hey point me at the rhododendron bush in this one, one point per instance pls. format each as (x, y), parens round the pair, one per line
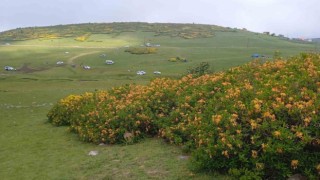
(259, 120)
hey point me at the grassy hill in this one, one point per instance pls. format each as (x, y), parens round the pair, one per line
(33, 149)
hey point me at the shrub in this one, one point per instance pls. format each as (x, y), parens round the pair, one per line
(144, 50)
(259, 120)
(177, 59)
(200, 70)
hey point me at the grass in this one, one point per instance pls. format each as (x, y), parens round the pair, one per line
(33, 149)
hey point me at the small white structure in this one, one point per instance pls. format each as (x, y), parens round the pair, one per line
(93, 153)
(141, 73)
(86, 67)
(156, 72)
(9, 68)
(60, 62)
(109, 62)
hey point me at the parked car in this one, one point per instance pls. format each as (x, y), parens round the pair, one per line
(109, 62)
(86, 67)
(9, 68)
(59, 62)
(141, 73)
(156, 72)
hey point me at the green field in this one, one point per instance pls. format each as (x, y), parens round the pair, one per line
(31, 148)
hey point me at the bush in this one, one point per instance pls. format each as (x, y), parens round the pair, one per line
(145, 50)
(259, 120)
(177, 59)
(200, 70)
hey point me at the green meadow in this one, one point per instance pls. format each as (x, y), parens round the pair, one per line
(31, 148)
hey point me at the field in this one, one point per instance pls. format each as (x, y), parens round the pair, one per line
(31, 148)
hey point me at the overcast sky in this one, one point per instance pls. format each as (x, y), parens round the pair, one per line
(292, 18)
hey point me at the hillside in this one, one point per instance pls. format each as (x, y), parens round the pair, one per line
(50, 63)
(187, 31)
(316, 40)
(219, 46)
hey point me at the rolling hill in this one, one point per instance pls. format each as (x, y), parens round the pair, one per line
(32, 149)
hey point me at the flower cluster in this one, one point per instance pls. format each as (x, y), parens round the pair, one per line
(259, 119)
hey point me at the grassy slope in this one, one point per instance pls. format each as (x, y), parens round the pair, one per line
(32, 149)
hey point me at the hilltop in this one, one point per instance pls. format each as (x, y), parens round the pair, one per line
(83, 31)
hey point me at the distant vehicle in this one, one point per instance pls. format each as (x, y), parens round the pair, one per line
(141, 73)
(9, 68)
(60, 62)
(156, 72)
(86, 67)
(255, 55)
(109, 62)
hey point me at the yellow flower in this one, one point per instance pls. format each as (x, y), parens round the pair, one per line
(279, 150)
(216, 118)
(260, 166)
(254, 153)
(225, 153)
(299, 134)
(294, 164)
(307, 121)
(253, 124)
(277, 133)
(318, 168)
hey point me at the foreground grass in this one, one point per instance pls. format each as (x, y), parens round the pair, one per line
(33, 149)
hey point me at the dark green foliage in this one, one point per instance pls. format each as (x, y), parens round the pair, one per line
(200, 70)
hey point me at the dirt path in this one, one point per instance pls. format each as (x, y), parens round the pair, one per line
(70, 60)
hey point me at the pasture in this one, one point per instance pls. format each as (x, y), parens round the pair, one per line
(31, 148)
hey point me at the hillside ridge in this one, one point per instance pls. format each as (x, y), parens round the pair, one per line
(83, 31)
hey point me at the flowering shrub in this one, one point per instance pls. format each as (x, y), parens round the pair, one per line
(259, 120)
(142, 50)
(83, 37)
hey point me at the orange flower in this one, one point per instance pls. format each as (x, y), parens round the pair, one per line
(289, 106)
(216, 118)
(225, 153)
(299, 134)
(307, 121)
(294, 164)
(253, 124)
